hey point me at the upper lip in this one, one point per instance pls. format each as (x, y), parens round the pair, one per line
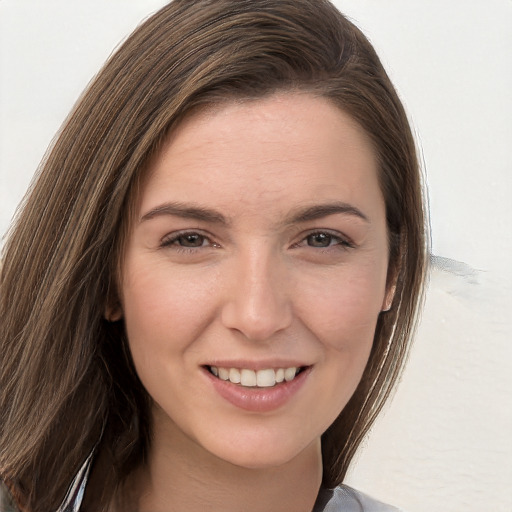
(257, 365)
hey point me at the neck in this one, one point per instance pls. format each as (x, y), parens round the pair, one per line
(180, 475)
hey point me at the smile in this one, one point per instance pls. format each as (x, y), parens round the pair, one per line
(255, 378)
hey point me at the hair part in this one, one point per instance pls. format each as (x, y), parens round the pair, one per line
(66, 371)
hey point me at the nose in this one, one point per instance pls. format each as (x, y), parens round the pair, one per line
(257, 303)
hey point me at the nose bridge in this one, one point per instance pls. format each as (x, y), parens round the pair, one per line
(258, 303)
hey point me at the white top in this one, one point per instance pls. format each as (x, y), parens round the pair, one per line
(346, 499)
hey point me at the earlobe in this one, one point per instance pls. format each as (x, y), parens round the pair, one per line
(113, 312)
(388, 297)
(387, 302)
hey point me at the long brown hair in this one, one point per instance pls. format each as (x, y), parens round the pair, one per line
(66, 376)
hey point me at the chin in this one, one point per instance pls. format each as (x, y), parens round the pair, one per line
(265, 454)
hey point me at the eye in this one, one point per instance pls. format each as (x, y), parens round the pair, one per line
(320, 240)
(325, 240)
(191, 240)
(187, 240)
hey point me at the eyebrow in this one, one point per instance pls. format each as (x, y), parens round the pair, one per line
(310, 213)
(324, 210)
(185, 211)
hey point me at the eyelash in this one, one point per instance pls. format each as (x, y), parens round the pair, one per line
(173, 239)
(340, 242)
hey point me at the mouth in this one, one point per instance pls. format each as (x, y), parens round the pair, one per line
(265, 378)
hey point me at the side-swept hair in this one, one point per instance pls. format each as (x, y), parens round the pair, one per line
(66, 375)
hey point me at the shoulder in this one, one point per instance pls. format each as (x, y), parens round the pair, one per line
(347, 499)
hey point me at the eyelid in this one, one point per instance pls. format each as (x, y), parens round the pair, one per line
(170, 238)
(343, 240)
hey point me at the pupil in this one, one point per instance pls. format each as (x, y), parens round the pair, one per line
(191, 240)
(319, 240)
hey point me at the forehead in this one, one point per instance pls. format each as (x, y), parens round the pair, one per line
(261, 154)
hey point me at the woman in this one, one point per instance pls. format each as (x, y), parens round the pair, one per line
(222, 259)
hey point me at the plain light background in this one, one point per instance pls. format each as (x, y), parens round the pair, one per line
(445, 441)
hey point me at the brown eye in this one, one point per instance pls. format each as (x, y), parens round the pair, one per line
(191, 240)
(319, 240)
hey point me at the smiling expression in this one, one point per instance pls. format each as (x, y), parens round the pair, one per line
(253, 276)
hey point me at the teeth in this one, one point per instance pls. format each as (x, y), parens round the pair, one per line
(234, 375)
(265, 378)
(289, 374)
(250, 378)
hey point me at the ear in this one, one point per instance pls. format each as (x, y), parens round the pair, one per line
(389, 296)
(113, 311)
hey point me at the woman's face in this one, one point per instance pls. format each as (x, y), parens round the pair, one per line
(254, 275)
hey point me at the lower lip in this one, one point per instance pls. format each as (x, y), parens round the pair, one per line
(258, 399)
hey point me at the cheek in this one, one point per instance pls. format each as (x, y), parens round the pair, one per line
(164, 309)
(344, 325)
(343, 309)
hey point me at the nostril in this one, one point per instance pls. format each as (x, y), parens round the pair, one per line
(257, 317)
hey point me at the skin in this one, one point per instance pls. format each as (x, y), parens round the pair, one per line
(268, 285)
